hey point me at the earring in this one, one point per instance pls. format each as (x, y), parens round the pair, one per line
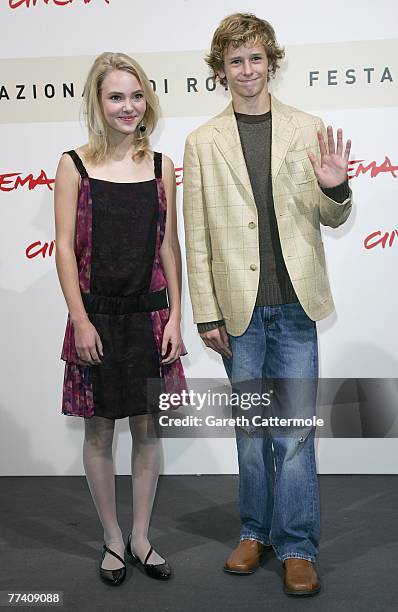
(141, 130)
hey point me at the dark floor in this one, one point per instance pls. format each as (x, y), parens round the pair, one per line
(51, 540)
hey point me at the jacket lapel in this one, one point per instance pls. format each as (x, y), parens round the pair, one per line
(227, 140)
(282, 135)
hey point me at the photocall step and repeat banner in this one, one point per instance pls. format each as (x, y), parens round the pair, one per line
(342, 67)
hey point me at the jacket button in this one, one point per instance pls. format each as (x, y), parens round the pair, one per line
(252, 225)
(253, 267)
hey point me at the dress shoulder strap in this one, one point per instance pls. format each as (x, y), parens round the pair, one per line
(157, 161)
(78, 163)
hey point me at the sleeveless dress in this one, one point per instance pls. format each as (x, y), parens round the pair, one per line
(119, 232)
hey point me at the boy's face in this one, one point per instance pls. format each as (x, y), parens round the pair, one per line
(246, 70)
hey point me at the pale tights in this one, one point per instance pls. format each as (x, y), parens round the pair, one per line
(145, 464)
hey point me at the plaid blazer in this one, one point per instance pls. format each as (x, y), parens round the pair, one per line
(221, 225)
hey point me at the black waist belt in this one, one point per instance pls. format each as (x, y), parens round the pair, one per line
(142, 302)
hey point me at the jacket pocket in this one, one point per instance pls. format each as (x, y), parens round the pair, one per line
(221, 287)
(299, 167)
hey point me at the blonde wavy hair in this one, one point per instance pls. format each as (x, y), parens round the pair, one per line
(243, 29)
(98, 141)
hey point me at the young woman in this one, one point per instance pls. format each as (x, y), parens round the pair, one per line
(117, 253)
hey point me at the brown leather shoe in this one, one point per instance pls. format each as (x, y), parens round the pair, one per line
(300, 577)
(246, 557)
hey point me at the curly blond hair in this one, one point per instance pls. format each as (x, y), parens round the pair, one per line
(243, 29)
(98, 142)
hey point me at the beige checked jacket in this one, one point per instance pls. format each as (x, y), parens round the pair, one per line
(221, 225)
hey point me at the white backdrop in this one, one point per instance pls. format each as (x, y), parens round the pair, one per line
(356, 42)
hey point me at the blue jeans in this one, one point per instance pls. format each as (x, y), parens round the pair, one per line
(278, 486)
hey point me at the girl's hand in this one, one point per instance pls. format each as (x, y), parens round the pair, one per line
(88, 343)
(172, 340)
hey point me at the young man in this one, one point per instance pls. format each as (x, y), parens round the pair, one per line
(258, 180)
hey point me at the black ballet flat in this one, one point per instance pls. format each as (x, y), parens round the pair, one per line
(112, 577)
(162, 571)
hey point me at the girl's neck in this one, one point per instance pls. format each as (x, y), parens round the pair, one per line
(120, 148)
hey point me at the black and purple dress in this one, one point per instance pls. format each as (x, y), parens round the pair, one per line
(119, 232)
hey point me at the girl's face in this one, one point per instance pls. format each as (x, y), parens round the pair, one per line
(122, 100)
